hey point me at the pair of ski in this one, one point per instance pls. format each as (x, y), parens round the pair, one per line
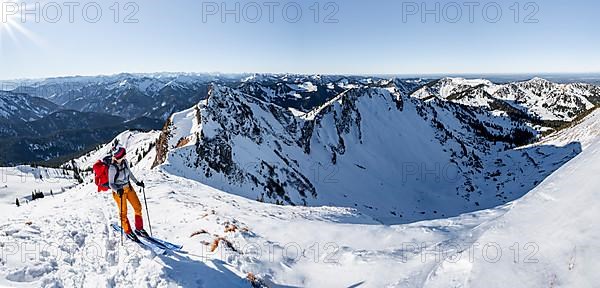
(158, 246)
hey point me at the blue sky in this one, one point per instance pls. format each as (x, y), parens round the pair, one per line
(370, 37)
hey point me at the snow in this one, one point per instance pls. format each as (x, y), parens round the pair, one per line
(296, 112)
(411, 172)
(449, 88)
(554, 227)
(183, 125)
(20, 181)
(537, 97)
(70, 243)
(586, 132)
(132, 141)
(446, 87)
(304, 87)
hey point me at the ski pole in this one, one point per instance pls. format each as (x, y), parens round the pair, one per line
(121, 218)
(147, 213)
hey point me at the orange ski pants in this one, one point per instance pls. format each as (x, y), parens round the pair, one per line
(130, 196)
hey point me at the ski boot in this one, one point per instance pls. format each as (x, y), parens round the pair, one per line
(142, 233)
(133, 237)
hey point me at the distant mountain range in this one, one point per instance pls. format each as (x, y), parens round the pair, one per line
(42, 120)
(537, 98)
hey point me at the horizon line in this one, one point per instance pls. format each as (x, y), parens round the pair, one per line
(410, 75)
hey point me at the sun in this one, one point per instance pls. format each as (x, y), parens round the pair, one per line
(10, 26)
(8, 23)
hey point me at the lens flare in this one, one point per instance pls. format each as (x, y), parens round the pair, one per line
(11, 27)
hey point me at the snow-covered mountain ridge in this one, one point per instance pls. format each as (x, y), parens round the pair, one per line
(158, 95)
(416, 159)
(538, 98)
(16, 107)
(161, 94)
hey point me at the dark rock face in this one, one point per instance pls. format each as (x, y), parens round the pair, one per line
(162, 144)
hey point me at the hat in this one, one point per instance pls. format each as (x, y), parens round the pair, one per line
(120, 153)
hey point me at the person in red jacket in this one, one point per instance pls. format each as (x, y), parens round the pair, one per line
(120, 177)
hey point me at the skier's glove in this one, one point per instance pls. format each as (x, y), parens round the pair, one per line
(141, 184)
(120, 192)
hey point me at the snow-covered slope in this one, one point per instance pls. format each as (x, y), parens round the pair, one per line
(139, 146)
(550, 101)
(585, 131)
(66, 242)
(549, 238)
(447, 87)
(18, 184)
